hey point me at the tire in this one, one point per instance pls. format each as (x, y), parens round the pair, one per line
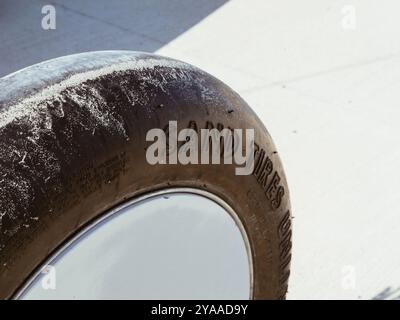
(73, 145)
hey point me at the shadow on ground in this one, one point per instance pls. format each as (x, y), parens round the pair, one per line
(389, 293)
(87, 25)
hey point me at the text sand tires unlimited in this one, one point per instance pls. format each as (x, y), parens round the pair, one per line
(73, 146)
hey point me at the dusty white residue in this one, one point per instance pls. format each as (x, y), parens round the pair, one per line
(2, 214)
(31, 139)
(23, 158)
(95, 103)
(38, 116)
(30, 104)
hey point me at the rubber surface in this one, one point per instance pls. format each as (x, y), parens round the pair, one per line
(73, 145)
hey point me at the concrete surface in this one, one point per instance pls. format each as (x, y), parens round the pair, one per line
(328, 92)
(89, 25)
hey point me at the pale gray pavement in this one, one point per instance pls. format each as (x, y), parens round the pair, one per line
(328, 95)
(89, 25)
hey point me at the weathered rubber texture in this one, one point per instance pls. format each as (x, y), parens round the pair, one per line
(72, 146)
